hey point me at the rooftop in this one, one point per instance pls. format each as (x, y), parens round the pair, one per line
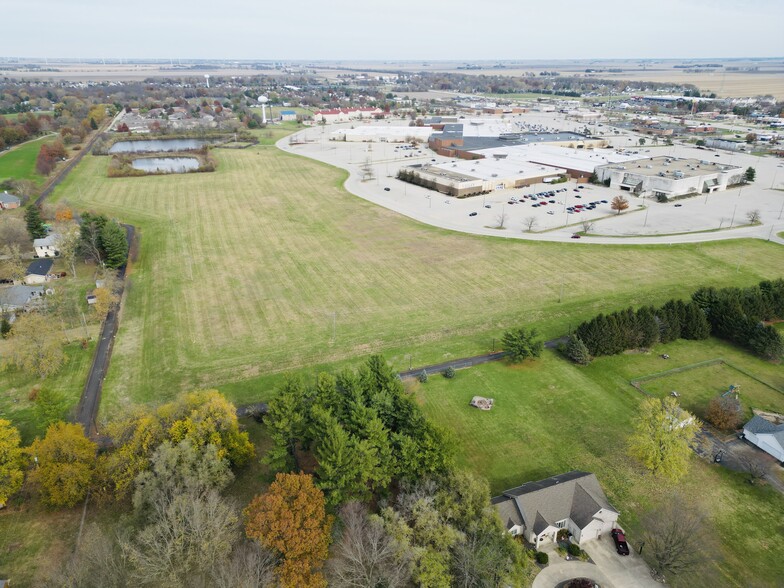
(684, 168)
(19, 295)
(40, 267)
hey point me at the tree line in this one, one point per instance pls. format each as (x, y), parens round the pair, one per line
(380, 504)
(734, 314)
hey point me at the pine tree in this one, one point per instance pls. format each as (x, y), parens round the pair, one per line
(696, 326)
(577, 351)
(338, 470)
(669, 322)
(647, 327)
(35, 225)
(115, 245)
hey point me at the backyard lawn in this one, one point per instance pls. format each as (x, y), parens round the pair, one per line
(267, 265)
(551, 417)
(19, 162)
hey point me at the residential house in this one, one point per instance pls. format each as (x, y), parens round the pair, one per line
(15, 298)
(766, 435)
(288, 115)
(9, 201)
(38, 271)
(48, 246)
(573, 501)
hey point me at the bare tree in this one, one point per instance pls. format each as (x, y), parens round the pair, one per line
(529, 223)
(756, 468)
(587, 225)
(188, 537)
(674, 535)
(249, 566)
(754, 217)
(68, 240)
(501, 219)
(365, 554)
(97, 563)
(14, 266)
(13, 231)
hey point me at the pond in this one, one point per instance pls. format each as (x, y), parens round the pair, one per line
(155, 145)
(169, 165)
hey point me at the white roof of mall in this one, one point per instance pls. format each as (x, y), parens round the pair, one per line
(500, 169)
(562, 157)
(375, 132)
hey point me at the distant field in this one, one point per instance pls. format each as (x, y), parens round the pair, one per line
(697, 386)
(16, 115)
(551, 417)
(19, 162)
(268, 265)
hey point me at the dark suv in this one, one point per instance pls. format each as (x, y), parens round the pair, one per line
(620, 542)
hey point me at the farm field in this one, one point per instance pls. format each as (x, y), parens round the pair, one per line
(268, 265)
(19, 162)
(551, 417)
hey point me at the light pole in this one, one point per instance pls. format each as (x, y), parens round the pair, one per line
(733, 215)
(647, 210)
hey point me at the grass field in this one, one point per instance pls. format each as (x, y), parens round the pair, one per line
(550, 417)
(19, 162)
(268, 265)
(697, 386)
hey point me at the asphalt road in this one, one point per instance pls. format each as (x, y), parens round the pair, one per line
(87, 410)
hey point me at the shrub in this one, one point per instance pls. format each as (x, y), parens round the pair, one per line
(449, 372)
(574, 550)
(542, 558)
(423, 376)
(662, 198)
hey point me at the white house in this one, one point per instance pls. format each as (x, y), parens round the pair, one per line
(573, 501)
(766, 435)
(288, 115)
(47, 247)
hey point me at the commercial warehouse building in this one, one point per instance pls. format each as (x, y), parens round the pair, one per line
(670, 177)
(468, 178)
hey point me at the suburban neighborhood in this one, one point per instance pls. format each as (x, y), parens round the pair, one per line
(350, 305)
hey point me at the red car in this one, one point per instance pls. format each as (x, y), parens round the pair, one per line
(620, 542)
(575, 236)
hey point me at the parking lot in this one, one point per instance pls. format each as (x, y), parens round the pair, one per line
(555, 212)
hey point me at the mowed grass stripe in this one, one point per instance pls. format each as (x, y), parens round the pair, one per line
(241, 271)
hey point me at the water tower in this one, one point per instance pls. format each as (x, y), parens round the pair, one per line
(207, 77)
(263, 100)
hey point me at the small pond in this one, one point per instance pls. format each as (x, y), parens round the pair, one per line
(155, 145)
(169, 165)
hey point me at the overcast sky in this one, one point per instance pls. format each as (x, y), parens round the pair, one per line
(393, 29)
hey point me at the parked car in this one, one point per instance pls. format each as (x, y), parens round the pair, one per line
(473, 214)
(386, 189)
(575, 236)
(620, 542)
(488, 206)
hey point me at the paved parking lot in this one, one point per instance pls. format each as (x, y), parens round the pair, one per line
(699, 218)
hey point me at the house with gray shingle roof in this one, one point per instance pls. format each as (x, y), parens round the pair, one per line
(9, 201)
(766, 435)
(573, 501)
(20, 297)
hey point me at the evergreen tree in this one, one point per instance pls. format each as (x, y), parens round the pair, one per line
(115, 245)
(339, 469)
(766, 342)
(286, 422)
(696, 326)
(577, 351)
(669, 322)
(35, 225)
(520, 344)
(647, 327)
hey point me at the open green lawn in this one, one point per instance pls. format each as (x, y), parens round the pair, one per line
(243, 271)
(697, 386)
(15, 387)
(19, 162)
(551, 417)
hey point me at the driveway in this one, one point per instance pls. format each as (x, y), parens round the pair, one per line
(610, 570)
(629, 571)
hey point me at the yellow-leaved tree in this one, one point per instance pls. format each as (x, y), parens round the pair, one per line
(203, 418)
(64, 464)
(11, 461)
(661, 438)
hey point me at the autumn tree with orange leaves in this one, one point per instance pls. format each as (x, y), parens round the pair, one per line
(291, 519)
